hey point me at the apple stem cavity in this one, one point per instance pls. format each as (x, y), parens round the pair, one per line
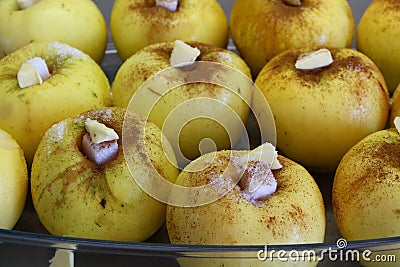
(292, 2)
(257, 181)
(33, 72)
(183, 54)
(99, 143)
(171, 5)
(24, 4)
(314, 60)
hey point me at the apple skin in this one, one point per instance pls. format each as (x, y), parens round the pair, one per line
(75, 197)
(154, 58)
(377, 35)
(294, 214)
(395, 107)
(13, 181)
(366, 190)
(78, 23)
(322, 113)
(262, 29)
(77, 84)
(136, 24)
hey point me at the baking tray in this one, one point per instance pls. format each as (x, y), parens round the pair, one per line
(30, 244)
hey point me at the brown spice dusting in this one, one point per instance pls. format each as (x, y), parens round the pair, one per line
(298, 215)
(388, 6)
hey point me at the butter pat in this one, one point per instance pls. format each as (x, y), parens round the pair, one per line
(265, 153)
(24, 4)
(171, 5)
(33, 72)
(314, 60)
(397, 123)
(99, 132)
(183, 54)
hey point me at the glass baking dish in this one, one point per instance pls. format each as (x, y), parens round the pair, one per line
(30, 244)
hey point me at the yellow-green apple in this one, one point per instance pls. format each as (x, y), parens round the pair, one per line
(13, 181)
(82, 185)
(135, 24)
(43, 83)
(376, 36)
(78, 23)
(268, 199)
(324, 102)
(366, 190)
(262, 29)
(209, 98)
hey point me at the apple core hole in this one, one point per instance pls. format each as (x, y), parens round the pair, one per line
(99, 154)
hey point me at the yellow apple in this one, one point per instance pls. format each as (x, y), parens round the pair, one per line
(76, 196)
(294, 213)
(76, 84)
(78, 23)
(209, 99)
(13, 181)
(377, 35)
(366, 190)
(138, 23)
(262, 29)
(321, 113)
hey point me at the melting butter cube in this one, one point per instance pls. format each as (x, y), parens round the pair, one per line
(265, 153)
(183, 54)
(314, 60)
(99, 132)
(33, 72)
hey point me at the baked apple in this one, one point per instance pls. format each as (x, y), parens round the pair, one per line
(78, 23)
(13, 181)
(324, 101)
(262, 29)
(82, 186)
(377, 35)
(136, 24)
(43, 83)
(265, 199)
(192, 91)
(366, 190)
